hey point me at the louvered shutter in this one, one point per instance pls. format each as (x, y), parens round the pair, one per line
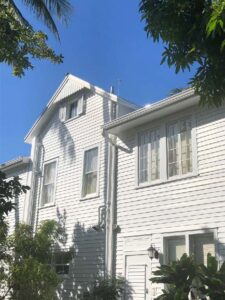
(62, 113)
(80, 105)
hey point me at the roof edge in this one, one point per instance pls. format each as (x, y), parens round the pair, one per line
(13, 163)
(86, 84)
(153, 107)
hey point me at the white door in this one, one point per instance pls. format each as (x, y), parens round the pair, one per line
(137, 276)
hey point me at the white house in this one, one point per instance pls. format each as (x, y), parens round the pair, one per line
(69, 159)
(170, 192)
(121, 179)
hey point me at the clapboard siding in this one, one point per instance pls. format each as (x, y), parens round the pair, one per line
(66, 142)
(188, 204)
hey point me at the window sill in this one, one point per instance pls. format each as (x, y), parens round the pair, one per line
(89, 197)
(47, 205)
(173, 179)
(71, 119)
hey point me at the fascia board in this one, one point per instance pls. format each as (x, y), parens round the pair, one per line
(160, 107)
(17, 162)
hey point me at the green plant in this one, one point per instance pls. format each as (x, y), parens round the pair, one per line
(9, 191)
(185, 275)
(20, 42)
(108, 289)
(213, 279)
(193, 33)
(178, 278)
(30, 275)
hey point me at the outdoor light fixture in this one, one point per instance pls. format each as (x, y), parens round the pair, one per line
(153, 252)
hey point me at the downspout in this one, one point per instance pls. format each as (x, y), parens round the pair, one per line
(110, 204)
(28, 208)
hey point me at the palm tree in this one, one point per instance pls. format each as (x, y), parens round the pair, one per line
(44, 10)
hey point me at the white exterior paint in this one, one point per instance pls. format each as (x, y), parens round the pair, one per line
(136, 216)
(181, 206)
(54, 137)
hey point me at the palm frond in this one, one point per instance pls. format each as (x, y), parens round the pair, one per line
(45, 9)
(61, 8)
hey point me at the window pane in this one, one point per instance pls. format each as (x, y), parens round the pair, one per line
(49, 173)
(155, 154)
(186, 147)
(175, 248)
(72, 110)
(91, 160)
(201, 245)
(143, 157)
(48, 183)
(172, 148)
(90, 183)
(90, 171)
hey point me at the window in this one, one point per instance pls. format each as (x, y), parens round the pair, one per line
(199, 246)
(48, 188)
(90, 173)
(179, 148)
(149, 159)
(72, 110)
(175, 248)
(61, 262)
(166, 152)
(74, 107)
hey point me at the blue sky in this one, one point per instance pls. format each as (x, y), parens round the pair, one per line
(105, 41)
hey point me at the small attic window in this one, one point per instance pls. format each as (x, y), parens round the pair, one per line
(72, 110)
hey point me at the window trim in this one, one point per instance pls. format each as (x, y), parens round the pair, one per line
(41, 206)
(96, 194)
(164, 178)
(187, 235)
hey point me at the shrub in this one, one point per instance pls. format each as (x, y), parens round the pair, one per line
(185, 275)
(30, 275)
(108, 289)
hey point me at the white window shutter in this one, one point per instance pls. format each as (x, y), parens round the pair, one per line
(80, 105)
(62, 113)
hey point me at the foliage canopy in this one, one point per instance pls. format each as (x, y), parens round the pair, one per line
(9, 190)
(19, 42)
(194, 34)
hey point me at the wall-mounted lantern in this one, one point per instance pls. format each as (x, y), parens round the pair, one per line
(153, 252)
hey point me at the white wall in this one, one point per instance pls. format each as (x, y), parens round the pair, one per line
(66, 142)
(146, 214)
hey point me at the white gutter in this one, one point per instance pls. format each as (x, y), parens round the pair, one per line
(29, 204)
